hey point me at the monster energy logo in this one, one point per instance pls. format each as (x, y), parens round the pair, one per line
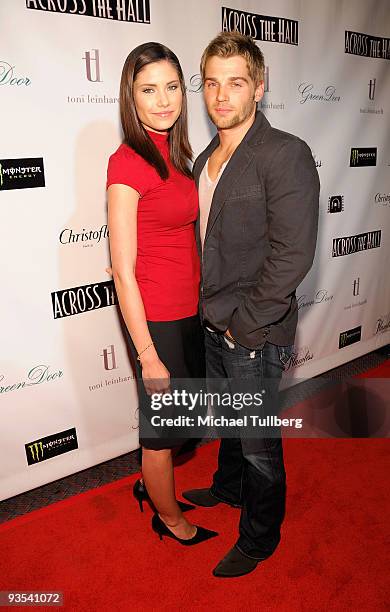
(22, 173)
(354, 157)
(363, 157)
(350, 336)
(36, 451)
(51, 446)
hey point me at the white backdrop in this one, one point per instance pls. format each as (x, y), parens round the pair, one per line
(60, 66)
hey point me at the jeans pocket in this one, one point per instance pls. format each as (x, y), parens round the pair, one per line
(285, 353)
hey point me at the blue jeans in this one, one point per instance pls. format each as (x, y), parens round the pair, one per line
(251, 469)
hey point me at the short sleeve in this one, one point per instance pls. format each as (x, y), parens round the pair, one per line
(127, 168)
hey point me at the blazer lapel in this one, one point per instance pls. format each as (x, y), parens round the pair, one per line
(231, 176)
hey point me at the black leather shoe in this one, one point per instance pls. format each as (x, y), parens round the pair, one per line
(204, 497)
(234, 564)
(201, 534)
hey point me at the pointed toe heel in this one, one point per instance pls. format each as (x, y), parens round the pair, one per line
(201, 534)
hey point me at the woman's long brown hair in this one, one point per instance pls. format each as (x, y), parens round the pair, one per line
(135, 135)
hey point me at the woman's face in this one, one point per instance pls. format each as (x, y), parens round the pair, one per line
(158, 96)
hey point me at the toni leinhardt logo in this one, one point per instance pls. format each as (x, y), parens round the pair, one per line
(327, 94)
(24, 173)
(92, 66)
(383, 324)
(51, 446)
(336, 204)
(109, 363)
(355, 286)
(299, 357)
(93, 74)
(382, 198)
(346, 245)
(322, 296)
(109, 360)
(133, 11)
(77, 300)
(357, 43)
(85, 238)
(371, 89)
(260, 27)
(9, 76)
(363, 157)
(351, 336)
(371, 110)
(266, 103)
(36, 376)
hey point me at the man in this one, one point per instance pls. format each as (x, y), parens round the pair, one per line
(257, 229)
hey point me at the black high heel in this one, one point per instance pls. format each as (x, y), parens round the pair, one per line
(140, 493)
(201, 534)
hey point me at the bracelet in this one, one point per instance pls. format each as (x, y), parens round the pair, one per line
(143, 350)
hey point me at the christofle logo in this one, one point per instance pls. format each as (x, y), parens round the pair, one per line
(371, 89)
(86, 238)
(307, 94)
(336, 204)
(9, 77)
(109, 359)
(51, 446)
(92, 64)
(77, 300)
(363, 157)
(133, 11)
(351, 336)
(260, 27)
(24, 173)
(347, 245)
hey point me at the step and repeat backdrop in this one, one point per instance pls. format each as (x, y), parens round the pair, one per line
(67, 392)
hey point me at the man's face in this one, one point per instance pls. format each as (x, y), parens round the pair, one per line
(229, 92)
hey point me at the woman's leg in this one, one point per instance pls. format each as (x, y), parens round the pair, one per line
(157, 473)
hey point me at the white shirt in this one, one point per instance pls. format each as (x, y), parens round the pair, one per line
(206, 192)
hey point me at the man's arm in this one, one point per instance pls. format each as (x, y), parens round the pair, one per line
(292, 193)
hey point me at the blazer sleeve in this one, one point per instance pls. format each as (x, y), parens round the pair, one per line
(292, 199)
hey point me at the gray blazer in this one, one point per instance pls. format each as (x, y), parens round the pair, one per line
(260, 237)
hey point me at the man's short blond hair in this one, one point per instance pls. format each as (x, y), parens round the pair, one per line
(228, 44)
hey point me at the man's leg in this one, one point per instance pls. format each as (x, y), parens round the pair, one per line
(264, 481)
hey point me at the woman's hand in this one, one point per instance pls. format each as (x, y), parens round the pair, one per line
(155, 375)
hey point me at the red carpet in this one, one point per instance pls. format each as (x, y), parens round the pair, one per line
(100, 551)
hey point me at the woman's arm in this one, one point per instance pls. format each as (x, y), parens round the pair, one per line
(122, 223)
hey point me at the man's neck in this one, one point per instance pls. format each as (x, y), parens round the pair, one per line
(230, 138)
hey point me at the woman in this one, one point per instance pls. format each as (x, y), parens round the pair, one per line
(152, 207)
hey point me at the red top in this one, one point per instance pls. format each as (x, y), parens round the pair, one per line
(167, 268)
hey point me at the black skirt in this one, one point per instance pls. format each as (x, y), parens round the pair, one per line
(180, 347)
